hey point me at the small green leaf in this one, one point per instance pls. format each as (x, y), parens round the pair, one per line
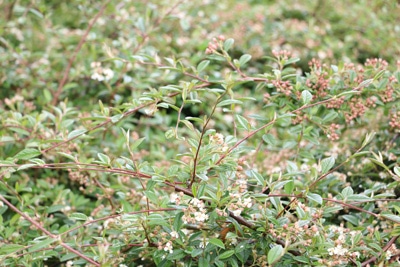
(103, 158)
(10, 248)
(226, 254)
(228, 44)
(352, 219)
(202, 65)
(306, 96)
(330, 116)
(78, 216)
(42, 244)
(327, 164)
(358, 198)
(229, 102)
(269, 139)
(116, 118)
(275, 254)
(391, 217)
(244, 59)
(26, 166)
(137, 143)
(27, 153)
(396, 170)
(347, 191)
(259, 178)
(217, 242)
(38, 161)
(76, 133)
(67, 156)
(289, 187)
(243, 122)
(315, 197)
(170, 133)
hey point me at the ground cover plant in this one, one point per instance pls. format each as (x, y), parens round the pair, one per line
(147, 133)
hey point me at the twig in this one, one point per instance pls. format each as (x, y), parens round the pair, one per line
(49, 234)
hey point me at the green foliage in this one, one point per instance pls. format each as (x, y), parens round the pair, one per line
(199, 134)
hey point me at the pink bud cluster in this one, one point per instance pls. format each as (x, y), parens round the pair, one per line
(214, 44)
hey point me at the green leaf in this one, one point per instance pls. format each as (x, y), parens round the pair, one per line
(202, 65)
(27, 153)
(78, 216)
(10, 248)
(348, 191)
(358, 198)
(315, 197)
(330, 116)
(327, 164)
(396, 170)
(67, 156)
(244, 59)
(306, 96)
(38, 161)
(275, 254)
(259, 178)
(137, 143)
(170, 133)
(269, 139)
(42, 244)
(352, 219)
(226, 254)
(291, 61)
(228, 44)
(289, 187)
(229, 102)
(391, 217)
(217, 242)
(76, 133)
(68, 256)
(26, 166)
(243, 122)
(104, 158)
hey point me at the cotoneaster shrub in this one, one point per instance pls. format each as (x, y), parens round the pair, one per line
(205, 160)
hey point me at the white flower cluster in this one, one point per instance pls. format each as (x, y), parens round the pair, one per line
(237, 207)
(338, 250)
(101, 74)
(168, 247)
(174, 234)
(219, 140)
(176, 198)
(195, 212)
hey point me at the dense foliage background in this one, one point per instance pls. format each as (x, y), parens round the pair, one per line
(199, 133)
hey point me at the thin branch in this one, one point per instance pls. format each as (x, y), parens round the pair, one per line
(201, 139)
(49, 234)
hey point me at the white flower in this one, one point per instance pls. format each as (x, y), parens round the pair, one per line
(108, 74)
(97, 76)
(339, 250)
(237, 212)
(200, 216)
(247, 202)
(69, 263)
(95, 64)
(203, 244)
(168, 247)
(174, 234)
(173, 197)
(123, 265)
